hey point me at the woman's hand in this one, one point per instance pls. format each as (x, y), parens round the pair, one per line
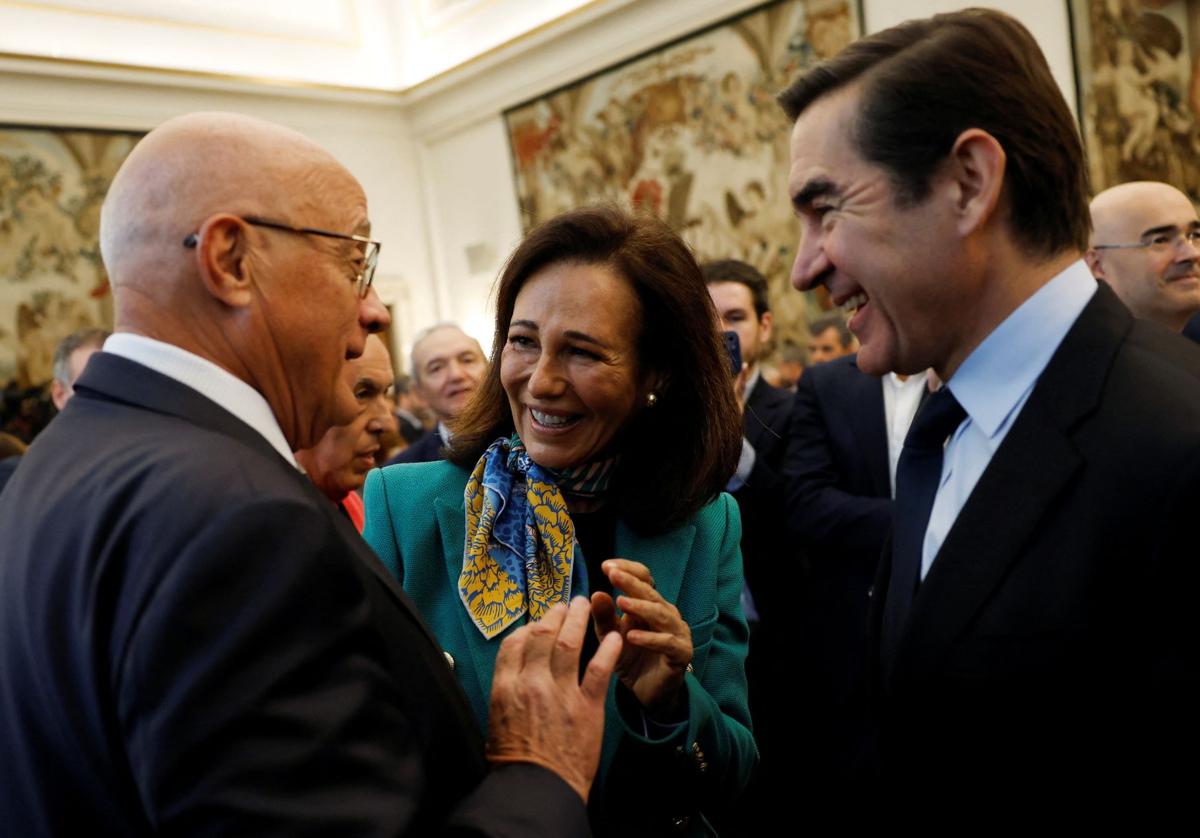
(658, 643)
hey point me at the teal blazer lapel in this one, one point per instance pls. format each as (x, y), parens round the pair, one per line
(665, 555)
(453, 526)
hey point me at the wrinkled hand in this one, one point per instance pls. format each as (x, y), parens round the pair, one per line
(540, 710)
(658, 642)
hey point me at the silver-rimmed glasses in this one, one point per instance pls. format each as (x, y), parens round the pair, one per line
(362, 280)
(1160, 241)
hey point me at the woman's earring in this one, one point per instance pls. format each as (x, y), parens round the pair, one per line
(651, 400)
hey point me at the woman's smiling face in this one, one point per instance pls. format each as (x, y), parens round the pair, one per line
(570, 366)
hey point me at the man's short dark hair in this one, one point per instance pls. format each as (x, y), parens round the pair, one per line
(831, 321)
(731, 270)
(924, 82)
(75, 340)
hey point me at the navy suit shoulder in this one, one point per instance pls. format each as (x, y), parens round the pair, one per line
(194, 641)
(838, 489)
(425, 450)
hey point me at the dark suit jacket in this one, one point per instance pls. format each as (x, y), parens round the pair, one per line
(840, 512)
(1054, 641)
(194, 641)
(425, 450)
(839, 495)
(8, 467)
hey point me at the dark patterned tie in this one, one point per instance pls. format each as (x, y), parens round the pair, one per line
(917, 477)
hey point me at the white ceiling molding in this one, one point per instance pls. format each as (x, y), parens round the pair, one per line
(353, 45)
(598, 36)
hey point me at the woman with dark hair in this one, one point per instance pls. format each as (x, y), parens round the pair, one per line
(591, 461)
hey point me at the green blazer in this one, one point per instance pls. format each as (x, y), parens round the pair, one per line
(416, 523)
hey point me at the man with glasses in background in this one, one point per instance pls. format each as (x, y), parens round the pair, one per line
(193, 640)
(1146, 244)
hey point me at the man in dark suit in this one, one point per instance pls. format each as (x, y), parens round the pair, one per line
(839, 508)
(193, 640)
(447, 366)
(1034, 615)
(739, 293)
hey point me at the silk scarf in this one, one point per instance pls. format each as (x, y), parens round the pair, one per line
(521, 555)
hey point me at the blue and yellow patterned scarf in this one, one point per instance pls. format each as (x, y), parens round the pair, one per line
(521, 554)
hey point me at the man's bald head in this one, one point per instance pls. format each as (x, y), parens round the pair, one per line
(190, 265)
(198, 165)
(1142, 245)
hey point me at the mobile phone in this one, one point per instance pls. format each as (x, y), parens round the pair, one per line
(734, 347)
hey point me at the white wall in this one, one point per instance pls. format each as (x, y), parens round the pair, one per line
(367, 133)
(460, 131)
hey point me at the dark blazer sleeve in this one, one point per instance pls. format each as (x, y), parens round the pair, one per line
(820, 511)
(287, 718)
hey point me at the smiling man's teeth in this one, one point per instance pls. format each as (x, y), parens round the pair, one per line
(551, 421)
(854, 303)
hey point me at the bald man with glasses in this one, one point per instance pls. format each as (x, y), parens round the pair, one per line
(193, 640)
(1146, 244)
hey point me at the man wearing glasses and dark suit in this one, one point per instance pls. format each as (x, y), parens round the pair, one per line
(1146, 245)
(193, 640)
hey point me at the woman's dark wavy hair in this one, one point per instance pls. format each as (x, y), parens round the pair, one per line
(678, 455)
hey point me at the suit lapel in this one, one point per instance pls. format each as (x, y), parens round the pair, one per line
(1034, 464)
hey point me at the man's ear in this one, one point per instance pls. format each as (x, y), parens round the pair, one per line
(977, 164)
(765, 323)
(1095, 265)
(58, 393)
(221, 259)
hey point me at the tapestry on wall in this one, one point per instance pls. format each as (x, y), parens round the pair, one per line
(1138, 69)
(692, 133)
(52, 282)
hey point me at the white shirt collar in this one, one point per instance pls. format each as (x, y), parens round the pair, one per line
(207, 379)
(995, 378)
(751, 382)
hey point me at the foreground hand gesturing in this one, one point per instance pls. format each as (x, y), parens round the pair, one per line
(658, 642)
(540, 710)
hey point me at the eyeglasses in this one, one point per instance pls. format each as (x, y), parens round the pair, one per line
(362, 280)
(1159, 242)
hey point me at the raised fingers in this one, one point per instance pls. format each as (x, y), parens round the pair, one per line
(594, 685)
(656, 614)
(635, 569)
(604, 613)
(673, 647)
(564, 661)
(542, 636)
(633, 586)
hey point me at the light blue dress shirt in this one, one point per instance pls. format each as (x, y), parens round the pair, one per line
(993, 384)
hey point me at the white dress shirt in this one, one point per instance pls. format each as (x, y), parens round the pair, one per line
(748, 457)
(993, 384)
(900, 402)
(207, 379)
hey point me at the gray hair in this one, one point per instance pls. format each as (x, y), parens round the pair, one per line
(76, 340)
